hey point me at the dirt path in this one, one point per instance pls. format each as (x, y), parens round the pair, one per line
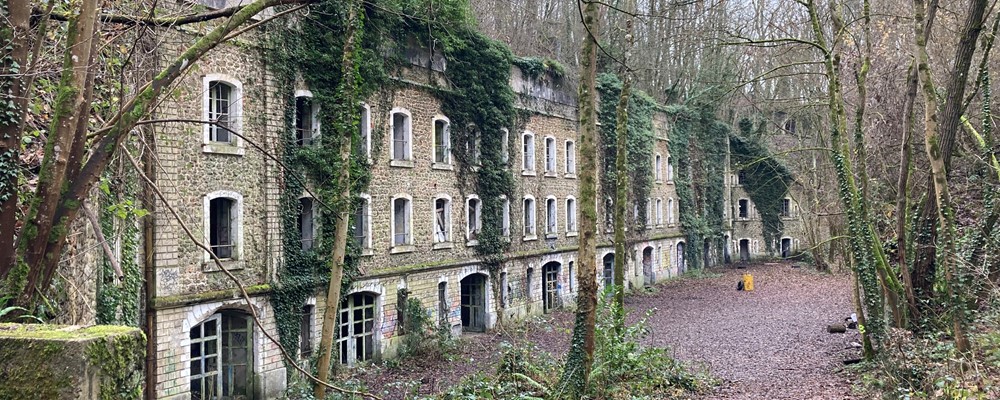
(767, 344)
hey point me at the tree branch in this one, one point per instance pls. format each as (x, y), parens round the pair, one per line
(155, 21)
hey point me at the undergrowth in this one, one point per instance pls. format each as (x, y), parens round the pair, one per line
(929, 367)
(623, 369)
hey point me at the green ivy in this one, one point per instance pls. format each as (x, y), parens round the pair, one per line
(765, 179)
(698, 152)
(640, 142)
(118, 301)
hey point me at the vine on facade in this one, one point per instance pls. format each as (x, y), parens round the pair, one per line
(765, 179)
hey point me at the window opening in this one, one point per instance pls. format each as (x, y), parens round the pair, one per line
(221, 227)
(220, 99)
(355, 334)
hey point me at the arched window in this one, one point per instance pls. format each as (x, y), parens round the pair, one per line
(401, 137)
(570, 215)
(529, 218)
(473, 218)
(306, 118)
(401, 223)
(307, 222)
(442, 219)
(442, 141)
(550, 155)
(528, 153)
(570, 158)
(222, 357)
(223, 224)
(356, 331)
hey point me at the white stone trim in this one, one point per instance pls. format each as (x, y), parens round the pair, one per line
(409, 135)
(448, 162)
(407, 246)
(235, 113)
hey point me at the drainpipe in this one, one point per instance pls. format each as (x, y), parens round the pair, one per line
(149, 267)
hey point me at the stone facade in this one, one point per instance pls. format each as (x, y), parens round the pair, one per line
(195, 301)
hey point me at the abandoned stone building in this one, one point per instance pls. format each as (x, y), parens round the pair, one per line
(416, 228)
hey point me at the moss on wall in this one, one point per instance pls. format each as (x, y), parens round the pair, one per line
(68, 362)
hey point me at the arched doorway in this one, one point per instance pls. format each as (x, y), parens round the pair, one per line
(786, 247)
(681, 261)
(550, 286)
(707, 253)
(744, 250)
(222, 357)
(647, 266)
(356, 328)
(725, 250)
(609, 270)
(474, 303)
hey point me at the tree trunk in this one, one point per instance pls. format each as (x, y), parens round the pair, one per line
(344, 123)
(17, 34)
(581, 353)
(42, 239)
(621, 184)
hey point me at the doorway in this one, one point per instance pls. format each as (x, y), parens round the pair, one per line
(647, 266)
(744, 250)
(786, 247)
(550, 286)
(474, 303)
(609, 270)
(681, 261)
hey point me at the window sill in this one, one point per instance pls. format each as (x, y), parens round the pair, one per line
(472, 243)
(229, 263)
(442, 246)
(402, 248)
(401, 163)
(670, 181)
(569, 176)
(367, 252)
(572, 234)
(528, 238)
(671, 225)
(551, 235)
(442, 166)
(527, 173)
(222, 148)
(551, 174)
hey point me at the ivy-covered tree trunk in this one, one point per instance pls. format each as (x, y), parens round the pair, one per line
(13, 58)
(621, 184)
(580, 358)
(344, 123)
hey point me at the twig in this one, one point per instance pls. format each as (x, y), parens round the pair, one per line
(243, 291)
(264, 21)
(104, 242)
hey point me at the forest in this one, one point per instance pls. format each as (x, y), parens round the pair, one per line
(877, 115)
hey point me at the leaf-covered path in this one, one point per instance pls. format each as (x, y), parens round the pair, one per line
(771, 343)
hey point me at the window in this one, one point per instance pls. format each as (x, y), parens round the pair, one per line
(569, 278)
(442, 141)
(306, 330)
(786, 207)
(741, 177)
(658, 168)
(670, 169)
(307, 222)
(222, 229)
(222, 357)
(551, 227)
(506, 217)
(570, 215)
(528, 153)
(649, 212)
(744, 208)
(503, 289)
(790, 125)
(221, 108)
(364, 146)
(609, 214)
(400, 149)
(442, 220)
(529, 218)
(550, 155)
(570, 158)
(670, 211)
(527, 284)
(472, 145)
(401, 214)
(355, 333)
(473, 220)
(306, 118)
(443, 307)
(659, 211)
(505, 147)
(361, 223)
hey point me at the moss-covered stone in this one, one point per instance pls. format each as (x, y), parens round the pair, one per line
(71, 362)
